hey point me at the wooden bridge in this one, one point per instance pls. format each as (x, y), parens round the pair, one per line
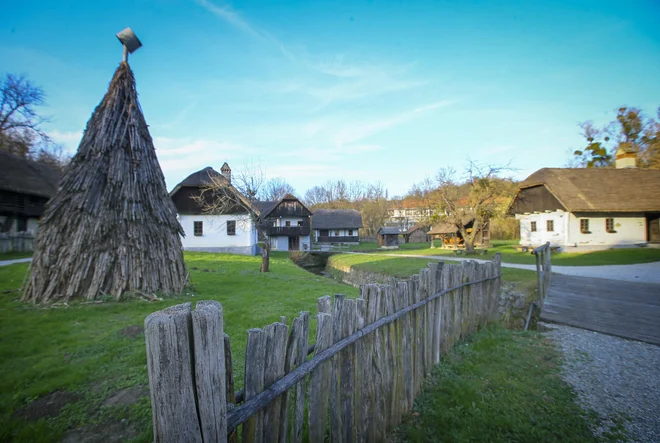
(625, 309)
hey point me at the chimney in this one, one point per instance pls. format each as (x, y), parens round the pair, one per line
(626, 157)
(226, 172)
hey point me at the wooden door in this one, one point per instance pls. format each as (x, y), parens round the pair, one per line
(294, 243)
(653, 224)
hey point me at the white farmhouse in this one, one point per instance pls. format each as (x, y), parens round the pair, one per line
(232, 231)
(589, 208)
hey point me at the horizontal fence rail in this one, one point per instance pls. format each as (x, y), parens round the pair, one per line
(370, 358)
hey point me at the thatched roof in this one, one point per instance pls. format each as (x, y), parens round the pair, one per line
(201, 178)
(25, 176)
(600, 189)
(388, 230)
(336, 219)
(449, 228)
(111, 228)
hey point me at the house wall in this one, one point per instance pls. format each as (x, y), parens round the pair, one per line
(282, 221)
(281, 243)
(215, 238)
(32, 224)
(630, 229)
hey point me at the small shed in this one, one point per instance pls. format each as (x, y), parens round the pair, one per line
(388, 236)
(417, 234)
(451, 237)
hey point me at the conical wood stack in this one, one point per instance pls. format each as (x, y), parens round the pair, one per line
(112, 227)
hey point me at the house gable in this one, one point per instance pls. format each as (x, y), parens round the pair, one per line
(535, 199)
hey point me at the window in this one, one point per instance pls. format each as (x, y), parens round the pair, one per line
(350, 232)
(300, 223)
(584, 225)
(609, 225)
(231, 227)
(336, 233)
(550, 225)
(198, 228)
(288, 223)
(533, 226)
(21, 224)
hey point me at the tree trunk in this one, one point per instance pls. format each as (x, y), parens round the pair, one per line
(265, 257)
(469, 246)
(432, 242)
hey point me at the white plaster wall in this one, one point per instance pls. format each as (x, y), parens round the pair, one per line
(541, 236)
(281, 243)
(215, 231)
(629, 231)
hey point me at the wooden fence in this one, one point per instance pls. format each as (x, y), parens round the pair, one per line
(543, 272)
(16, 242)
(369, 360)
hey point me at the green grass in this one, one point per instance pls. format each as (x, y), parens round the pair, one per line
(14, 255)
(499, 386)
(404, 267)
(79, 349)
(618, 256)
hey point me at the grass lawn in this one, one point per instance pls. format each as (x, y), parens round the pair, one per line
(619, 256)
(403, 267)
(499, 386)
(89, 352)
(14, 255)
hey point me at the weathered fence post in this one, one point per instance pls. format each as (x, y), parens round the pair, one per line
(187, 380)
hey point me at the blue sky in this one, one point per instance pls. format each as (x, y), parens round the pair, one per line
(361, 90)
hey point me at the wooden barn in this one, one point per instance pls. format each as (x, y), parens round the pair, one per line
(25, 187)
(417, 234)
(388, 236)
(452, 238)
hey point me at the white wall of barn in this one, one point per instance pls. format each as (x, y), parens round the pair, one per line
(630, 230)
(214, 233)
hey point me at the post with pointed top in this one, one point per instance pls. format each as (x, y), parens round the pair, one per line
(130, 41)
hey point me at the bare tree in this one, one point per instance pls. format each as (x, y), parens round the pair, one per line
(276, 188)
(21, 133)
(238, 196)
(472, 201)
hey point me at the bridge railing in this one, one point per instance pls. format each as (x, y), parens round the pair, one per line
(543, 273)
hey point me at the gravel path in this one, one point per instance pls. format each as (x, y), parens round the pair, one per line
(615, 377)
(11, 262)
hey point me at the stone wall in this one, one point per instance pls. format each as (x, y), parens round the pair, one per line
(514, 306)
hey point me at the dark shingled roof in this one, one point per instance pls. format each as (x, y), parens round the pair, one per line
(600, 189)
(336, 219)
(27, 177)
(417, 226)
(387, 230)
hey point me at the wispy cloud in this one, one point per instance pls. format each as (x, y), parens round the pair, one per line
(228, 14)
(356, 132)
(70, 140)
